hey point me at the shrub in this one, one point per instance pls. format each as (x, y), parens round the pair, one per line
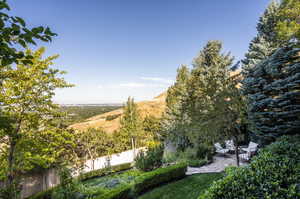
(85, 176)
(273, 173)
(122, 192)
(152, 159)
(196, 162)
(157, 177)
(102, 172)
(205, 151)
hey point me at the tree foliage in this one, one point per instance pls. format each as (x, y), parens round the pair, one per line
(15, 35)
(131, 123)
(288, 26)
(32, 135)
(175, 118)
(273, 92)
(265, 42)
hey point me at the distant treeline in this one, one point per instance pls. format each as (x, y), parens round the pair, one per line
(81, 113)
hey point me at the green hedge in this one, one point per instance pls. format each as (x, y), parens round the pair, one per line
(43, 195)
(85, 176)
(102, 172)
(146, 181)
(157, 177)
(273, 173)
(122, 192)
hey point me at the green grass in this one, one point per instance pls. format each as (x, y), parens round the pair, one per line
(188, 188)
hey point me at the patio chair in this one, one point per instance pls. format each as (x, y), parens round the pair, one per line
(220, 149)
(252, 148)
(250, 151)
(230, 145)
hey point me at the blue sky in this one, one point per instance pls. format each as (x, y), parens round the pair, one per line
(113, 49)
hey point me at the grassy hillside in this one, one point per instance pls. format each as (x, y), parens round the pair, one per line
(82, 112)
(110, 121)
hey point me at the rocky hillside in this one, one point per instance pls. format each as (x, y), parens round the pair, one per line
(110, 121)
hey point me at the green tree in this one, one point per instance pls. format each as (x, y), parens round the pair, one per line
(14, 34)
(93, 143)
(273, 95)
(131, 123)
(265, 41)
(210, 71)
(288, 26)
(33, 137)
(175, 120)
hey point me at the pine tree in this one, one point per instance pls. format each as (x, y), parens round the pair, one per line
(265, 41)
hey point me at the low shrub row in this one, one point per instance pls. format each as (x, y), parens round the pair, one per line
(85, 176)
(146, 181)
(273, 173)
(157, 177)
(105, 171)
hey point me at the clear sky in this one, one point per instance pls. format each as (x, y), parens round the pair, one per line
(113, 49)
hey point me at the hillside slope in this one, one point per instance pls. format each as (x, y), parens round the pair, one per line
(110, 121)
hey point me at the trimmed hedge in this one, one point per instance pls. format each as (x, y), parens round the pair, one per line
(102, 172)
(122, 192)
(85, 176)
(146, 181)
(157, 177)
(273, 173)
(43, 194)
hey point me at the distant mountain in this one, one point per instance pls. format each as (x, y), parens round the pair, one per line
(110, 121)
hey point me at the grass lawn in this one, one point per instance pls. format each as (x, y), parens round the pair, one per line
(188, 188)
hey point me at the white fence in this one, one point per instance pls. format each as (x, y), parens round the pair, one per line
(41, 182)
(112, 160)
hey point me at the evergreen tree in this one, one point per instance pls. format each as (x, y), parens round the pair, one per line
(175, 122)
(131, 123)
(273, 94)
(265, 41)
(210, 71)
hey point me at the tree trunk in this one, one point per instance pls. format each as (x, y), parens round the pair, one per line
(133, 143)
(11, 172)
(236, 147)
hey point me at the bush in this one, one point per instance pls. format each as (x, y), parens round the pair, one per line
(273, 173)
(205, 151)
(196, 163)
(102, 172)
(122, 192)
(157, 177)
(152, 159)
(85, 176)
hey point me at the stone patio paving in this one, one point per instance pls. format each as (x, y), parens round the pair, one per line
(218, 165)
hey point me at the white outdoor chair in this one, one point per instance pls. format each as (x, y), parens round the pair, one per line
(245, 156)
(220, 149)
(252, 148)
(230, 145)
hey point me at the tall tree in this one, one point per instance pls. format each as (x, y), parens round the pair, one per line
(273, 95)
(175, 120)
(266, 40)
(210, 70)
(33, 137)
(131, 122)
